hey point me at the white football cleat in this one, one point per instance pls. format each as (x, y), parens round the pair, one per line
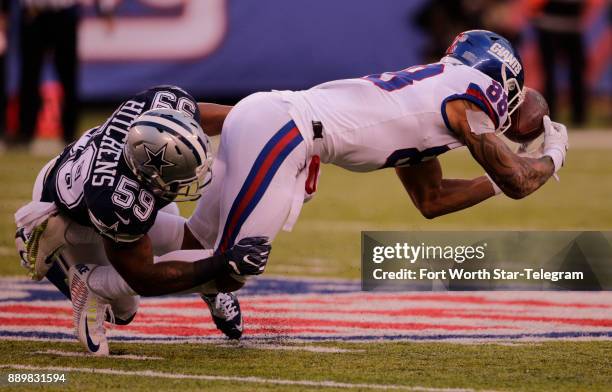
(88, 311)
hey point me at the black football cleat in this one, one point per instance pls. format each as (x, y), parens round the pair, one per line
(225, 311)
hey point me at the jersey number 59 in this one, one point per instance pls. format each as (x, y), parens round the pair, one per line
(125, 197)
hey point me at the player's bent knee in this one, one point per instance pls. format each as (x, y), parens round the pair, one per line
(167, 233)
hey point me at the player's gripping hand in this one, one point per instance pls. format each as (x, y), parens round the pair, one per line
(21, 240)
(249, 256)
(39, 248)
(555, 142)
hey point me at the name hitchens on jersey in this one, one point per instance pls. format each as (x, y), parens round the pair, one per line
(111, 146)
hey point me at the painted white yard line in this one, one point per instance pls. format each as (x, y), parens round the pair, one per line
(80, 354)
(255, 380)
(309, 348)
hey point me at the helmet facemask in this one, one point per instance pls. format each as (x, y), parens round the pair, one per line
(170, 154)
(515, 94)
(188, 189)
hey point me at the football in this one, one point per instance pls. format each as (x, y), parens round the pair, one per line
(527, 121)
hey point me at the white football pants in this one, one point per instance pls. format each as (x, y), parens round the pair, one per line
(258, 175)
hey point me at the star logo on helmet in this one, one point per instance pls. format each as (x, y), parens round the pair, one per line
(157, 160)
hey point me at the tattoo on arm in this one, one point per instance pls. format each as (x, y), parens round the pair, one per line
(516, 176)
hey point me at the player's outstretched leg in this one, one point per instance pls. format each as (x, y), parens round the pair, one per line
(88, 310)
(225, 311)
(259, 192)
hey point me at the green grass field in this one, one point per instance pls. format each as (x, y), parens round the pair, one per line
(348, 203)
(558, 366)
(326, 242)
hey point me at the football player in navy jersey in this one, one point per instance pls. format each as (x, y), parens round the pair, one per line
(105, 206)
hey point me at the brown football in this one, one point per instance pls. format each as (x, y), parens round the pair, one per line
(527, 119)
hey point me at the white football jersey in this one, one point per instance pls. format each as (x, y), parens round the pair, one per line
(394, 118)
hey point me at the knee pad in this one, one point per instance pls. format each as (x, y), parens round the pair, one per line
(167, 233)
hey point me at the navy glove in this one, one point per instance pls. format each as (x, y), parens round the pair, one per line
(249, 256)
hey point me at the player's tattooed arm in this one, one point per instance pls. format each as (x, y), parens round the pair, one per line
(212, 117)
(515, 175)
(435, 196)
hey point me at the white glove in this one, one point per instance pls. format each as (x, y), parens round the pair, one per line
(555, 142)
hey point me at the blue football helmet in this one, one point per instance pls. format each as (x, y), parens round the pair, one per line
(493, 55)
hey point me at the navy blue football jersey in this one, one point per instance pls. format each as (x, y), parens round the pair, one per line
(91, 182)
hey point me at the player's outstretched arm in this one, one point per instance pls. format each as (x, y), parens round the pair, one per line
(515, 175)
(212, 117)
(435, 196)
(134, 262)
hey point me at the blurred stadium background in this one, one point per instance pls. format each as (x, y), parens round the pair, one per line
(222, 50)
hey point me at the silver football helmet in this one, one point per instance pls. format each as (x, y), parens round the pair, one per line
(170, 153)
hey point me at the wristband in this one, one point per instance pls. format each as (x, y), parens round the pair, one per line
(557, 157)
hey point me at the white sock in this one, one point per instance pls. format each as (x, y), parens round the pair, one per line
(108, 284)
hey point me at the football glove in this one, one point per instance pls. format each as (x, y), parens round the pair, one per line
(21, 239)
(555, 142)
(249, 256)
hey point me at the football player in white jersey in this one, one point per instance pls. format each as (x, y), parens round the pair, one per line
(272, 142)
